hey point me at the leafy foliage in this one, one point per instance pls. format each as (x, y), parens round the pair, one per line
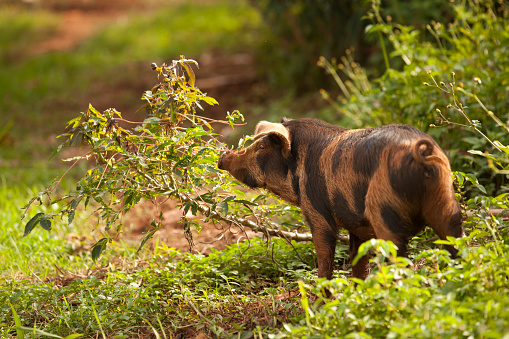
(240, 291)
(164, 291)
(445, 298)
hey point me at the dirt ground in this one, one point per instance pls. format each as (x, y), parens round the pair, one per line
(221, 76)
(217, 236)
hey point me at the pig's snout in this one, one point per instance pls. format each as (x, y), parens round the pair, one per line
(224, 160)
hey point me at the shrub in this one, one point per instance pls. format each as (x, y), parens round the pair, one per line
(444, 299)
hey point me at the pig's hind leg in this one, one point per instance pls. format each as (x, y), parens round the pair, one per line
(360, 269)
(390, 223)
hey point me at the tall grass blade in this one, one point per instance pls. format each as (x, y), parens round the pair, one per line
(17, 322)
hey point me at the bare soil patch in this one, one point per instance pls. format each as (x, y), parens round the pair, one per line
(211, 236)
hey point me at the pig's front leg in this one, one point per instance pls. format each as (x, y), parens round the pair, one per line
(324, 239)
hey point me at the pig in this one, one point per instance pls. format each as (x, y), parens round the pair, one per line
(384, 182)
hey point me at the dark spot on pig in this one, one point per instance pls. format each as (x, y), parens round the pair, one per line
(251, 181)
(247, 178)
(392, 219)
(348, 218)
(399, 227)
(316, 183)
(367, 152)
(406, 178)
(273, 162)
(360, 189)
(292, 168)
(296, 186)
(337, 158)
(351, 219)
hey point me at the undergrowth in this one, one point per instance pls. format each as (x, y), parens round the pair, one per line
(176, 289)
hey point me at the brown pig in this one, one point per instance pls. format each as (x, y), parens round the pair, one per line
(385, 182)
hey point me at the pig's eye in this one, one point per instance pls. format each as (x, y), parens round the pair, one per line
(261, 146)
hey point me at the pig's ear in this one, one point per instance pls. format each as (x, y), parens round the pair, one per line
(265, 128)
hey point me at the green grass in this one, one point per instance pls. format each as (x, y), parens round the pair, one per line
(20, 29)
(229, 295)
(163, 295)
(39, 254)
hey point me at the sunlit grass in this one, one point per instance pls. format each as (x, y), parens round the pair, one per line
(65, 250)
(37, 254)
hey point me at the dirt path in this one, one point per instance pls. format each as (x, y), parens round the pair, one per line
(81, 20)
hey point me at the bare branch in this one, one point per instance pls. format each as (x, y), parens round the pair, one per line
(271, 228)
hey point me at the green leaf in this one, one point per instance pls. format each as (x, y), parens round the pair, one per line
(46, 223)
(46, 334)
(247, 202)
(131, 198)
(504, 148)
(72, 211)
(149, 235)
(460, 176)
(56, 151)
(33, 223)
(98, 248)
(443, 242)
(363, 250)
(473, 179)
(17, 322)
(224, 207)
(482, 154)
